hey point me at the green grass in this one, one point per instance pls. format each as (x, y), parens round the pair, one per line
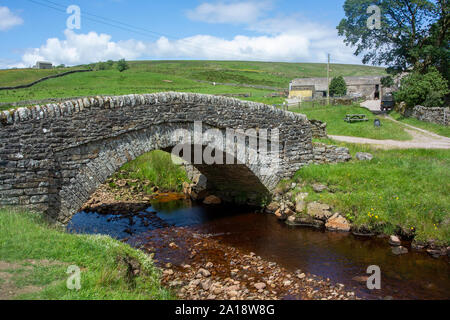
(275, 74)
(149, 76)
(16, 77)
(433, 127)
(25, 236)
(405, 188)
(334, 117)
(156, 167)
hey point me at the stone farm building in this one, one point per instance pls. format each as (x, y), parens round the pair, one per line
(367, 86)
(43, 65)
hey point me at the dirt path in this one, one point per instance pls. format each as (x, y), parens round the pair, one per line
(422, 139)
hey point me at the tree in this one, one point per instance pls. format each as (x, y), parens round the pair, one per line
(387, 81)
(428, 90)
(338, 87)
(122, 65)
(414, 34)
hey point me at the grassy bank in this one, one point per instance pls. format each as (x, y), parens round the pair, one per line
(34, 258)
(405, 188)
(432, 127)
(157, 168)
(334, 117)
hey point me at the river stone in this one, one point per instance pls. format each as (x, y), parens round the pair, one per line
(272, 207)
(317, 187)
(338, 223)
(203, 272)
(304, 220)
(364, 156)
(212, 200)
(399, 250)
(260, 286)
(206, 284)
(319, 211)
(394, 241)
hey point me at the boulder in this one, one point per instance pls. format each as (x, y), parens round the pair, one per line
(363, 156)
(300, 206)
(281, 215)
(212, 200)
(399, 250)
(300, 203)
(304, 220)
(200, 181)
(319, 211)
(319, 187)
(394, 241)
(338, 223)
(272, 207)
(260, 286)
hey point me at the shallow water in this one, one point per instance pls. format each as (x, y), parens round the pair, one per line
(337, 256)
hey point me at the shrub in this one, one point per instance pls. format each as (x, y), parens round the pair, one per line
(122, 65)
(101, 66)
(428, 90)
(338, 87)
(387, 82)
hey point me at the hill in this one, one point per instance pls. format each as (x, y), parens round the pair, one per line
(188, 76)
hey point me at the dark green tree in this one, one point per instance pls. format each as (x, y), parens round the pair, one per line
(428, 90)
(122, 65)
(387, 81)
(414, 34)
(338, 87)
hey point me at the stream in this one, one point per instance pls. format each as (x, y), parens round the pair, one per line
(338, 256)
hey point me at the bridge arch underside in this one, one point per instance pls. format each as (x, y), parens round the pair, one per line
(53, 157)
(84, 168)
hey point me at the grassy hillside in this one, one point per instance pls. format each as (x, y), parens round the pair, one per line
(17, 77)
(156, 76)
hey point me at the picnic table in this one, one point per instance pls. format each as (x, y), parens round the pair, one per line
(355, 118)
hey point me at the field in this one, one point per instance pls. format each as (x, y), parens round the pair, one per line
(35, 257)
(157, 76)
(16, 77)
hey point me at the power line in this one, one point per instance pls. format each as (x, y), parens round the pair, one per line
(130, 28)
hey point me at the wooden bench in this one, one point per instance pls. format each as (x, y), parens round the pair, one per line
(355, 118)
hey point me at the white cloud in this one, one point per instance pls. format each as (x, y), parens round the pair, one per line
(310, 45)
(283, 38)
(84, 48)
(230, 12)
(8, 19)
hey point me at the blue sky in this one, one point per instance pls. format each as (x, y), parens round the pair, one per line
(267, 30)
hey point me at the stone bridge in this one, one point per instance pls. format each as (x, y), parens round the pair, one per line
(53, 157)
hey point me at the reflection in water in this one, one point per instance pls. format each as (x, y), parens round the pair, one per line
(337, 256)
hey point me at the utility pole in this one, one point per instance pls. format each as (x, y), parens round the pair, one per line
(328, 80)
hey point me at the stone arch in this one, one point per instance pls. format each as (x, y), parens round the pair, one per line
(53, 157)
